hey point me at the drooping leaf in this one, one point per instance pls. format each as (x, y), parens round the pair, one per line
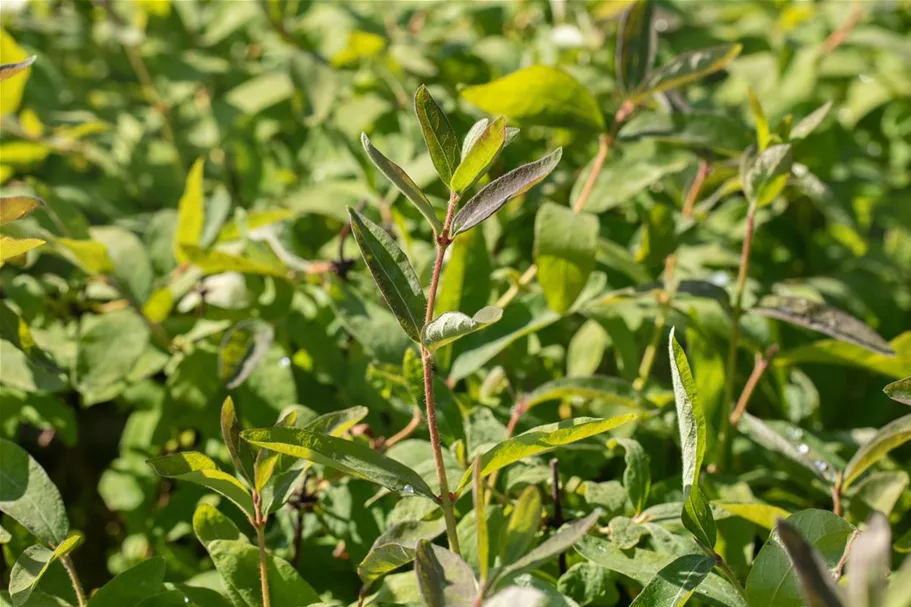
(887, 438)
(392, 272)
(239, 450)
(815, 581)
(675, 583)
(197, 468)
(29, 497)
(403, 182)
(350, 457)
(190, 211)
(13, 208)
(131, 586)
(481, 152)
(612, 390)
(686, 68)
(811, 122)
(834, 352)
(539, 94)
(209, 525)
(497, 193)
(238, 564)
(637, 41)
(565, 247)
(773, 580)
(450, 326)
(522, 526)
(764, 176)
(869, 563)
(444, 579)
(17, 62)
(396, 547)
(33, 563)
(242, 348)
(637, 478)
(442, 142)
(900, 391)
(823, 319)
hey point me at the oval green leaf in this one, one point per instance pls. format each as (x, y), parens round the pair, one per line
(482, 151)
(684, 69)
(564, 250)
(13, 208)
(29, 497)
(450, 326)
(442, 142)
(33, 563)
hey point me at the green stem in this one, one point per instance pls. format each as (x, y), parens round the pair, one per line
(648, 357)
(74, 579)
(259, 523)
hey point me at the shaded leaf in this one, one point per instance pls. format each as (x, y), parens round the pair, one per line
(564, 250)
(444, 579)
(442, 142)
(522, 526)
(698, 519)
(763, 177)
(696, 130)
(33, 563)
(109, 348)
(887, 438)
(690, 416)
(29, 497)
(242, 348)
(686, 68)
(497, 193)
(450, 326)
(675, 583)
(637, 478)
(209, 525)
(611, 390)
(396, 547)
(816, 584)
(197, 468)
(239, 450)
(637, 41)
(131, 586)
(869, 563)
(480, 517)
(796, 451)
(482, 149)
(13, 208)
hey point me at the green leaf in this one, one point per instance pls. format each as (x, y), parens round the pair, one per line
(611, 390)
(14, 247)
(212, 261)
(887, 438)
(762, 123)
(33, 563)
(109, 348)
(239, 450)
(285, 469)
(242, 348)
(90, 256)
(690, 416)
(13, 208)
(698, 130)
(587, 584)
(675, 583)
(869, 562)
(823, 319)
(561, 541)
(684, 69)
(190, 211)
(197, 468)
(637, 41)
(396, 547)
(900, 391)
(131, 586)
(350, 457)
(209, 525)
(29, 497)
(450, 326)
(338, 422)
(543, 439)
(442, 142)
(28, 373)
(805, 127)
(481, 152)
(403, 182)
(834, 352)
(565, 246)
(497, 193)
(541, 95)
(392, 272)
(816, 585)
(642, 565)
(763, 177)
(238, 564)
(8, 70)
(522, 526)
(444, 579)
(795, 450)
(637, 478)
(764, 515)
(698, 519)
(772, 579)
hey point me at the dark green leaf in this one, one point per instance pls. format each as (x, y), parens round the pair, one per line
(442, 141)
(396, 547)
(33, 563)
(637, 41)
(565, 246)
(816, 584)
(684, 69)
(132, 586)
(676, 582)
(444, 579)
(697, 130)
(29, 497)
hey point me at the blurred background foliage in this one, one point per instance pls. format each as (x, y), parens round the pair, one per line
(272, 97)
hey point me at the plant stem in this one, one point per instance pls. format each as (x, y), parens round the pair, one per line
(724, 442)
(406, 431)
(729, 574)
(74, 579)
(836, 496)
(759, 368)
(558, 507)
(259, 523)
(443, 242)
(840, 567)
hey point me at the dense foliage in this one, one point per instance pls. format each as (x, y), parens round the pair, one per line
(502, 303)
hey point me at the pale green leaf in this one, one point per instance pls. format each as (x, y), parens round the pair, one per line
(690, 416)
(197, 468)
(239, 450)
(611, 390)
(892, 435)
(869, 562)
(811, 122)
(212, 261)
(816, 585)
(108, 349)
(900, 391)
(450, 326)
(209, 525)
(190, 211)
(396, 547)
(764, 515)
(637, 478)
(33, 563)
(90, 256)
(564, 250)
(482, 151)
(764, 176)
(522, 526)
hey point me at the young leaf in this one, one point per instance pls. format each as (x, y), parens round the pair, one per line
(480, 517)
(242, 348)
(13, 208)
(764, 177)
(33, 563)
(403, 182)
(565, 247)
(392, 272)
(637, 41)
(476, 130)
(500, 191)
(809, 124)
(209, 525)
(266, 462)
(675, 584)
(900, 391)
(442, 142)
(132, 586)
(637, 478)
(396, 547)
(542, 439)
(444, 579)
(539, 94)
(240, 451)
(816, 584)
(612, 390)
(238, 564)
(352, 458)
(29, 497)
(8, 70)
(697, 518)
(764, 515)
(482, 150)
(522, 526)
(197, 468)
(684, 69)
(450, 326)
(869, 563)
(762, 123)
(887, 438)
(823, 319)
(190, 211)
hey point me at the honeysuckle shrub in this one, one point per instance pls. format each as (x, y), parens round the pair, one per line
(496, 303)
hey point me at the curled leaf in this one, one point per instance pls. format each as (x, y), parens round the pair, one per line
(450, 326)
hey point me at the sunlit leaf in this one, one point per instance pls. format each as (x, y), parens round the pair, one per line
(200, 469)
(33, 563)
(482, 149)
(13, 208)
(892, 435)
(900, 391)
(676, 582)
(522, 526)
(190, 211)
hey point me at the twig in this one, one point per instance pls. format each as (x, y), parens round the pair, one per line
(74, 579)
(759, 367)
(836, 573)
(558, 507)
(259, 523)
(518, 411)
(836, 495)
(407, 430)
(838, 37)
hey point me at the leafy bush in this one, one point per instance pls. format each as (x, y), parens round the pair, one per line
(554, 325)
